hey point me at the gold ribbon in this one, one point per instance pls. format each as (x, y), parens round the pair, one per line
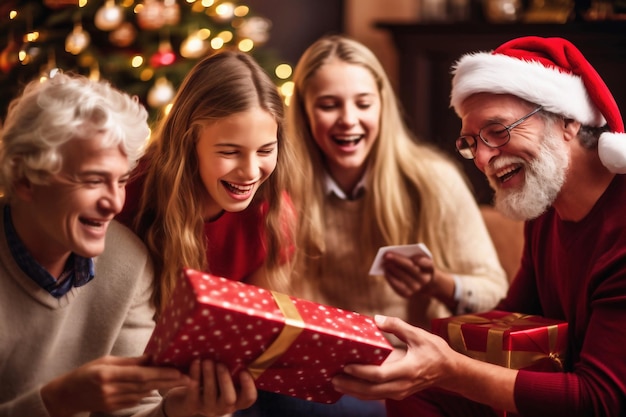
(293, 327)
(494, 352)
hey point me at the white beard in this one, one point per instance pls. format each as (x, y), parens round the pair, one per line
(544, 177)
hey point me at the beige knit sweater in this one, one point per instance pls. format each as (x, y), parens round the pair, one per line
(340, 278)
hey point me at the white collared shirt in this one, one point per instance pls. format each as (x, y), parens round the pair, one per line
(331, 187)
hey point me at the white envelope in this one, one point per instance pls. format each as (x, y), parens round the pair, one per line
(406, 250)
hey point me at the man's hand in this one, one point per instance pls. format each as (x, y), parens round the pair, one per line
(428, 362)
(422, 365)
(107, 384)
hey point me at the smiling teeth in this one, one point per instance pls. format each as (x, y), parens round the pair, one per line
(239, 189)
(343, 140)
(506, 171)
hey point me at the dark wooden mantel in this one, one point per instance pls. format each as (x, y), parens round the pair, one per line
(426, 53)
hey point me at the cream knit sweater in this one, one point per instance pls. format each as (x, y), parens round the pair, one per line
(42, 337)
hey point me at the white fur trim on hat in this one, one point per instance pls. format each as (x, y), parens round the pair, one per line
(558, 92)
(612, 151)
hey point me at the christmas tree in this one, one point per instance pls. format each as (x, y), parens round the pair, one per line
(144, 47)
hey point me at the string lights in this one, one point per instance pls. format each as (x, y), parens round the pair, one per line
(143, 46)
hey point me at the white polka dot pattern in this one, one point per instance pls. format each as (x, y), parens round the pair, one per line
(233, 323)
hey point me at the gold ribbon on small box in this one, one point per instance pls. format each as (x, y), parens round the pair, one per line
(293, 327)
(494, 352)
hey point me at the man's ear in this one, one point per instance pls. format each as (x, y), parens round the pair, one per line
(23, 189)
(570, 129)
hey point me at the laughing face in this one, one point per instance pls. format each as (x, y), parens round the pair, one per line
(343, 107)
(235, 156)
(528, 172)
(72, 211)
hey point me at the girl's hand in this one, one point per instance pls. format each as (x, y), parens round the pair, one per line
(417, 274)
(211, 392)
(409, 275)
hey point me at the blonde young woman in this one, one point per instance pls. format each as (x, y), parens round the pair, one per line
(370, 184)
(212, 193)
(375, 185)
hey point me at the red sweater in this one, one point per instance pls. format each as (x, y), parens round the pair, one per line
(576, 271)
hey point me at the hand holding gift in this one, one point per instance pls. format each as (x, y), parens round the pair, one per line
(211, 391)
(421, 366)
(499, 339)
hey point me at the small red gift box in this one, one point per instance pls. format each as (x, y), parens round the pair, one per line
(291, 346)
(513, 340)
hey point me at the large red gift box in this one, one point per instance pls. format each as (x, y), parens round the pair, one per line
(513, 340)
(291, 346)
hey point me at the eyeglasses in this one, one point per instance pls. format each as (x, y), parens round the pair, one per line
(493, 135)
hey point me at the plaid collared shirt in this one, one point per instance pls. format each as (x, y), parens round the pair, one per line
(78, 270)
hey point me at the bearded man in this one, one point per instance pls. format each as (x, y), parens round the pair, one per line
(543, 127)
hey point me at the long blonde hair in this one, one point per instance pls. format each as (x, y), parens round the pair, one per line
(403, 201)
(170, 217)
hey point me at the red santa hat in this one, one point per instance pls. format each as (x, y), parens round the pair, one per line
(550, 72)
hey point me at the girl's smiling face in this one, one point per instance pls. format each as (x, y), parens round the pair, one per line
(235, 156)
(343, 106)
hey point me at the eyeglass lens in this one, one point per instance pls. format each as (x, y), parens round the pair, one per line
(494, 135)
(466, 145)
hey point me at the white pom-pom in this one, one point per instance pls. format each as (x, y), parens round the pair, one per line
(612, 151)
